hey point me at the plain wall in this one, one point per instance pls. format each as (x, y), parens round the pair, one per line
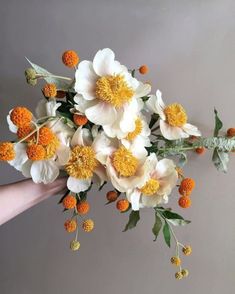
(189, 47)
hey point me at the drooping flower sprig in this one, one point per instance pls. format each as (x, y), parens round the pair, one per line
(103, 125)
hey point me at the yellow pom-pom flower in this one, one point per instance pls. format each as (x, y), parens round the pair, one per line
(176, 260)
(88, 225)
(74, 245)
(184, 273)
(7, 151)
(70, 225)
(178, 276)
(21, 116)
(187, 250)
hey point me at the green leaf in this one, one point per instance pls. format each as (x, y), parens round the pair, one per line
(167, 234)
(182, 159)
(157, 226)
(218, 124)
(134, 217)
(60, 84)
(62, 198)
(220, 160)
(171, 215)
(101, 187)
(154, 119)
(179, 222)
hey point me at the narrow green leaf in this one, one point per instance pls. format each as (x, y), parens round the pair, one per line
(171, 215)
(154, 119)
(157, 226)
(62, 198)
(167, 234)
(101, 187)
(134, 217)
(218, 124)
(179, 222)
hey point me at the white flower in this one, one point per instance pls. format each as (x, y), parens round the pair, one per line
(107, 93)
(160, 180)
(173, 118)
(83, 166)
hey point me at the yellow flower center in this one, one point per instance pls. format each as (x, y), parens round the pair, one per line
(175, 115)
(138, 128)
(150, 187)
(82, 162)
(113, 90)
(52, 147)
(124, 162)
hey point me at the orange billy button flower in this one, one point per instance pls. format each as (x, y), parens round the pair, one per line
(112, 196)
(231, 132)
(184, 201)
(88, 225)
(83, 207)
(143, 69)
(35, 152)
(45, 136)
(186, 186)
(70, 58)
(49, 90)
(200, 150)
(7, 151)
(122, 205)
(70, 225)
(80, 120)
(21, 116)
(69, 202)
(24, 131)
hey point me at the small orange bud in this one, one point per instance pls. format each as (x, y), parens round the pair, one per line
(112, 196)
(45, 136)
(21, 116)
(69, 202)
(184, 202)
(83, 207)
(60, 94)
(143, 69)
(70, 58)
(7, 151)
(122, 205)
(88, 225)
(35, 152)
(70, 225)
(80, 120)
(186, 186)
(24, 131)
(200, 150)
(49, 90)
(231, 132)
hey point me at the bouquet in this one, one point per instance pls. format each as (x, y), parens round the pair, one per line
(104, 125)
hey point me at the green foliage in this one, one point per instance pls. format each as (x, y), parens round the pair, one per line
(134, 217)
(157, 226)
(220, 160)
(154, 119)
(167, 234)
(218, 124)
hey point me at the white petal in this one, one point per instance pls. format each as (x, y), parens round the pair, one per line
(100, 175)
(63, 154)
(44, 171)
(47, 108)
(156, 104)
(127, 120)
(142, 90)
(165, 167)
(172, 133)
(134, 198)
(151, 201)
(191, 130)
(20, 156)
(13, 128)
(104, 63)
(26, 167)
(77, 185)
(101, 114)
(81, 137)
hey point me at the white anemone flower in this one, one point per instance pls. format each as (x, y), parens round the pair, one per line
(161, 179)
(83, 166)
(173, 118)
(107, 93)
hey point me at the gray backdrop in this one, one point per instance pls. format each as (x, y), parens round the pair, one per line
(190, 49)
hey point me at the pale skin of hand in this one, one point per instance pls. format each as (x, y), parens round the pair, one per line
(18, 197)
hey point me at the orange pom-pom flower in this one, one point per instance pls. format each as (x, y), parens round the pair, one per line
(70, 58)
(69, 202)
(184, 201)
(80, 120)
(49, 90)
(35, 152)
(70, 225)
(7, 151)
(21, 116)
(122, 205)
(186, 186)
(83, 207)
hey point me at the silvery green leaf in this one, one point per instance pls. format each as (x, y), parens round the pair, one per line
(222, 144)
(179, 222)
(60, 84)
(218, 124)
(220, 160)
(182, 159)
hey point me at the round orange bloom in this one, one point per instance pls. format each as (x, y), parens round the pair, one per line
(45, 136)
(80, 120)
(200, 150)
(143, 69)
(70, 58)
(176, 260)
(60, 94)
(186, 186)
(7, 151)
(70, 225)
(69, 202)
(122, 205)
(83, 207)
(88, 225)
(184, 202)
(187, 250)
(49, 90)
(231, 132)
(24, 131)
(21, 116)
(35, 152)
(112, 196)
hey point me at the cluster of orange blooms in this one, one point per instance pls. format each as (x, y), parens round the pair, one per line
(185, 189)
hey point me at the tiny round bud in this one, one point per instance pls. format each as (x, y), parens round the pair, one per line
(187, 250)
(83, 207)
(74, 245)
(178, 276)
(143, 69)
(184, 202)
(184, 273)
(231, 132)
(32, 82)
(122, 205)
(69, 202)
(200, 150)
(88, 225)
(112, 196)
(30, 73)
(176, 260)
(80, 120)
(49, 90)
